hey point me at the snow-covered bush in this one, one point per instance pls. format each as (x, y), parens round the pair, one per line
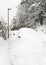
(28, 14)
(3, 28)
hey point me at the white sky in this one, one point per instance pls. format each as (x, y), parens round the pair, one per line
(5, 4)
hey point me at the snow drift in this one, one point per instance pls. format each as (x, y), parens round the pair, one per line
(29, 38)
(25, 47)
(29, 48)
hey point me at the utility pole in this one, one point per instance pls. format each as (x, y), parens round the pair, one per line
(8, 21)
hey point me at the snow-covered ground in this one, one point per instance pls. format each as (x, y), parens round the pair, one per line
(24, 47)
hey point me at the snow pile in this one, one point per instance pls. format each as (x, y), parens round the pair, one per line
(28, 48)
(24, 47)
(29, 38)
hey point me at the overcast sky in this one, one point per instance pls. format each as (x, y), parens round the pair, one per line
(5, 4)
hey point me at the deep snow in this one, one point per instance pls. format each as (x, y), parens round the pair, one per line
(4, 56)
(24, 47)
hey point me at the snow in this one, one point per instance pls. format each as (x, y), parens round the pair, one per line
(32, 6)
(24, 47)
(4, 56)
(29, 38)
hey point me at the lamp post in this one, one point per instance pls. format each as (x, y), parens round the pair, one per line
(8, 21)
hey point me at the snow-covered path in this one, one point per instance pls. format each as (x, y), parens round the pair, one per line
(25, 47)
(4, 56)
